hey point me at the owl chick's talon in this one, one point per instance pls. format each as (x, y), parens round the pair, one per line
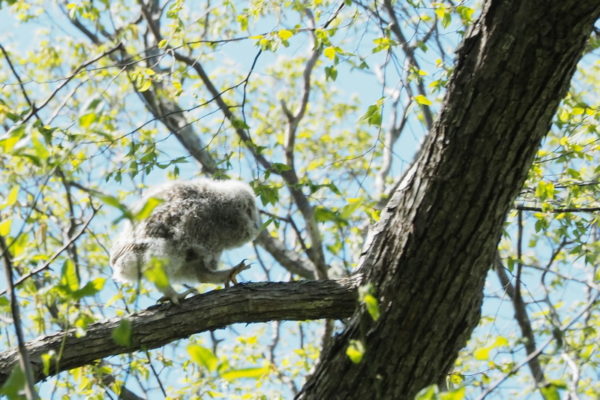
(175, 297)
(232, 277)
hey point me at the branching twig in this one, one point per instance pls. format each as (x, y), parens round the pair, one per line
(68, 79)
(21, 85)
(54, 256)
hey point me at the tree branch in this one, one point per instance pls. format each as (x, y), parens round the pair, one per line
(559, 210)
(162, 324)
(288, 259)
(524, 322)
(409, 51)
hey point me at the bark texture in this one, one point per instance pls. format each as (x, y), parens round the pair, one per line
(161, 324)
(429, 255)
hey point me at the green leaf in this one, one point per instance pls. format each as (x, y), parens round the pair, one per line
(351, 207)
(250, 373)
(203, 356)
(373, 115)
(87, 119)
(544, 190)
(111, 201)
(90, 288)
(40, 150)
(550, 392)
(355, 351)
(427, 393)
(268, 194)
(144, 84)
(329, 52)
(121, 335)
(457, 394)
(482, 353)
(331, 73)
(285, 34)
(500, 341)
(147, 208)
(69, 280)
(11, 199)
(280, 167)
(372, 306)
(114, 202)
(243, 21)
(466, 13)
(422, 100)
(383, 43)
(14, 384)
(324, 214)
(46, 360)
(366, 296)
(155, 273)
(5, 227)
(8, 143)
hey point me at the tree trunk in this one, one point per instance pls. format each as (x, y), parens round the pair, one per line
(429, 254)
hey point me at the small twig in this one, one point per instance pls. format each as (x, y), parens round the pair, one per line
(409, 51)
(68, 79)
(558, 210)
(21, 85)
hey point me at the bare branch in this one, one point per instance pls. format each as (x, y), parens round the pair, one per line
(524, 322)
(16, 74)
(391, 136)
(558, 210)
(288, 259)
(409, 51)
(161, 324)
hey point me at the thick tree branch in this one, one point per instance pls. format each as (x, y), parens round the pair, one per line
(161, 324)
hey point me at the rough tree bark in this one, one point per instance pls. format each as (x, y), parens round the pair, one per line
(161, 324)
(429, 255)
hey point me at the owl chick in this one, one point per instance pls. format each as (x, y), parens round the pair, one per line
(188, 231)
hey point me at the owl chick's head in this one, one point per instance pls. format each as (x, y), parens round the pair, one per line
(242, 200)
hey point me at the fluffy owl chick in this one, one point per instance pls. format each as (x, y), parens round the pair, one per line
(188, 231)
